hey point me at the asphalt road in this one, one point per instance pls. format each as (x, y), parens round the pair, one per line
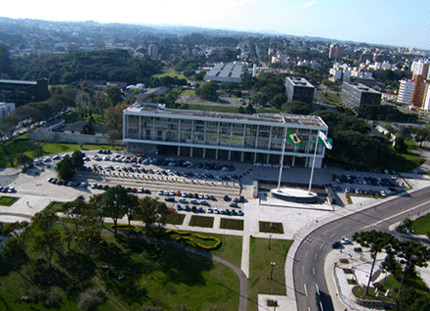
(308, 268)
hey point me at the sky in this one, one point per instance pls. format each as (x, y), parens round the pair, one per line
(389, 22)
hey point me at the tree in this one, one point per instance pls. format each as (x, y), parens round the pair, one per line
(115, 200)
(153, 215)
(88, 126)
(113, 116)
(132, 207)
(45, 219)
(24, 160)
(297, 107)
(376, 241)
(114, 95)
(65, 169)
(249, 109)
(413, 255)
(88, 239)
(207, 91)
(77, 212)
(48, 243)
(97, 207)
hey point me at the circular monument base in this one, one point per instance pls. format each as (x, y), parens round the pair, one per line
(294, 195)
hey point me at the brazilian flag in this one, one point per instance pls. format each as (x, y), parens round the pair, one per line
(293, 138)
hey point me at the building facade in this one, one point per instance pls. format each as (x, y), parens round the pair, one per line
(355, 95)
(297, 88)
(153, 50)
(420, 68)
(152, 128)
(335, 52)
(406, 90)
(23, 92)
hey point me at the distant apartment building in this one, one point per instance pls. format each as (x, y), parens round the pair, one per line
(419, 90)
(335, 52)
(420, 68)
(230, 72)
(426, 98)
(153, 50)
(406, 90)
(6, 108)
(297, 88)
(355, 95)
(23, 92)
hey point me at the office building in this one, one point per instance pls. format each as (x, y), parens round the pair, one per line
(152, 128)
(297, 88)
(406, 90)
(230, 72)
(355, 95)
(23, 92)
(335, 52)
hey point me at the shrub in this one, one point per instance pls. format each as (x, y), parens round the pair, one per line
(53, 299)
(91, 298)
(358, 249)
(35, 293)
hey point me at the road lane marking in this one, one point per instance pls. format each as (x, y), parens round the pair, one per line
(318, 290)
(306, 254)
(398, 214)
(315, 257)
(303, 269)
(306, 290)
(313, 271)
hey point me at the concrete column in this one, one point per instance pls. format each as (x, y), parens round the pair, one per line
(255, 157)
(179, 151)
(204, 153)
(191, 152)
(229, 155)
(242, 156)
(294, 161)
(216, 154)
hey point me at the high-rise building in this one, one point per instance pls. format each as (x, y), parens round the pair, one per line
(297, 88)
(406, 90)
(419, 89)
(335, 52)
(153, 50)
(420, 68)
(355, 95)
(426, 100)
(153, 128)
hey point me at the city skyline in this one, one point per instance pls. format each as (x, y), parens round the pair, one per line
(384, 22)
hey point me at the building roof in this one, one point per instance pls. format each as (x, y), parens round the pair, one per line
(230, 71)
(361, 87)
(18, 82)
(280, 118)
(299, 81)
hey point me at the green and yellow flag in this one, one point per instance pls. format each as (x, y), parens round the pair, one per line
(293, 138)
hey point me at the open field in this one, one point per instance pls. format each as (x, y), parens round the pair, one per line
(7, 201)
(260, 268)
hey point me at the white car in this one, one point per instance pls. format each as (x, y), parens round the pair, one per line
(345, 241)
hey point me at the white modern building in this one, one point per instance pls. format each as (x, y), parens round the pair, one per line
(258, 138)
(230, 72)
(406, 91)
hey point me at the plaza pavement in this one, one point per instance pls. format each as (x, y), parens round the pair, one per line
(36, 193)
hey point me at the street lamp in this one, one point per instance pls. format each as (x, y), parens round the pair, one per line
(270, 239)
(272, 264)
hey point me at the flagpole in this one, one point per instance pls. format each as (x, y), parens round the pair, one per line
(313, 164)
(282, 159)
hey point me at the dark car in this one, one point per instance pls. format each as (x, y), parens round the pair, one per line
(336, 244)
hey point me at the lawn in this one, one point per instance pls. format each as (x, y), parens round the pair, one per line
(233, 224)
(175, 219)
(55, 206)
(421, 225)
(271, 227)
(7, 201)
(133, 274)
(169, 73)
(330, 98)
(260, 268)
(201, 221)
(23, 145)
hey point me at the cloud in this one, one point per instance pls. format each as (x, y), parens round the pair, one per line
(310, 3)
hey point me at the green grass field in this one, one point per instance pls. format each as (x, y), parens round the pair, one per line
(421, 225)
(170, 73)
(175, 219)
(55, 206)
(7, 201)
(201, 221)
(330, 98)
(260, 268)
(23, 145)
(271, 227)
(233, 224)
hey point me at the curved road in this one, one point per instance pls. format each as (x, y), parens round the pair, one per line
(308, 268)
